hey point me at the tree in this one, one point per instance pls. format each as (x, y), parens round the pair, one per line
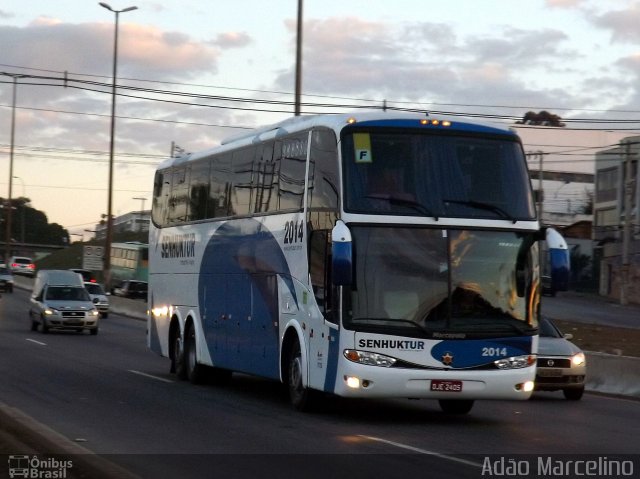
(33, 222)
(543, 118)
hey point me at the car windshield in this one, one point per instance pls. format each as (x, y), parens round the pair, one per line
(67, 293)
(94, 288)
(548, 329)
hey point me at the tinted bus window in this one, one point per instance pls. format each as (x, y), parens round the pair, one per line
(292, 171)
(179, 197)
(220, 187)
(242, 172)
(199, 191)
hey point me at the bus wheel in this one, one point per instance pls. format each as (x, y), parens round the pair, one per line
(301, 398)
(193, 371)
(456, 406)
(177, 361)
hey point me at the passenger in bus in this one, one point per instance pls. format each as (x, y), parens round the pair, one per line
(388, 183)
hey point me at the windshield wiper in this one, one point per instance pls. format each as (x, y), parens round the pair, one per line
(482, 206)
(395, 200)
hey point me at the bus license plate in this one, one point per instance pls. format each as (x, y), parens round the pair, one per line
(446, 386)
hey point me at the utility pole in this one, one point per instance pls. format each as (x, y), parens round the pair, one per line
(298, 91)
(9, 215)
(626, 230)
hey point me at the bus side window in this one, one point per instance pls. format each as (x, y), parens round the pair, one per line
(179, 197)
(220, 187)
(199, 191)
(242, 173)
(263, 186)
(319, 264)
(161, 190)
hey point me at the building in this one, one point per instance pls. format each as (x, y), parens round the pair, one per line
(133, 222)
(616, 237)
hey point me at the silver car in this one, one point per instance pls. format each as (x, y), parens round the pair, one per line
(62, 307)
(561, 364)
(99, 297)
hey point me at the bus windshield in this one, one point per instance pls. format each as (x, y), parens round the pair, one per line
(442, 282)
(422, 173)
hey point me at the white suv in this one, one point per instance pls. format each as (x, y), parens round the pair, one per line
(22, 265)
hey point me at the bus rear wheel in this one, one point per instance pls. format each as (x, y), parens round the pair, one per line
(177, 358)
(194, 371)
(456, 406)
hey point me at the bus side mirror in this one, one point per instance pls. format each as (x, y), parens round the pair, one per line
(341, 255)
(559, 260)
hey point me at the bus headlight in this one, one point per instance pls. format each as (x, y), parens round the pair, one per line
(516, 362)
(370, 359)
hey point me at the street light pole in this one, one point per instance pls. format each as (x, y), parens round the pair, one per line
(7, 253)
(109, 235)
(24, 204)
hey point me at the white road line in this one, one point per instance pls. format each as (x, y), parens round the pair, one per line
(423, 451)
(140, 373)
(37, 342)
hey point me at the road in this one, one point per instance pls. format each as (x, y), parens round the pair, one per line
(112, 395)
(590, 308)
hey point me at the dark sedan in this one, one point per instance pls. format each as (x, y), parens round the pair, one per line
(132, 289)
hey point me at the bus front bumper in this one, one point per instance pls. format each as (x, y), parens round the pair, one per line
(360, 381)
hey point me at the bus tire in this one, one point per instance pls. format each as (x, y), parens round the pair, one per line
(178, 365)
(301, 397)
(194, 372)
(456, 406)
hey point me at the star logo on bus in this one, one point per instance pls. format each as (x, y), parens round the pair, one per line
(447, 358)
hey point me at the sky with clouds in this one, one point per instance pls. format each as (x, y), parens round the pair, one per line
(198, 71)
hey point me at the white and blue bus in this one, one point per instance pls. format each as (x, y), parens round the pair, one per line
(378, 255)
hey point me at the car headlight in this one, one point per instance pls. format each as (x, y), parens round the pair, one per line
(370, 359)
(578, 359)
(94, 312)
(516, 362)
(50, 311)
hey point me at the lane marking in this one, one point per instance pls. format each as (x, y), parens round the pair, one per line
(140, 373)
(34, 341)
(424, 451)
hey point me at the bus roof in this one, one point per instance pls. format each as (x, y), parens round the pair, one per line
(338, 122)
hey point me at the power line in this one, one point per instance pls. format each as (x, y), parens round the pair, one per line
(367, 100)
(87, 85)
